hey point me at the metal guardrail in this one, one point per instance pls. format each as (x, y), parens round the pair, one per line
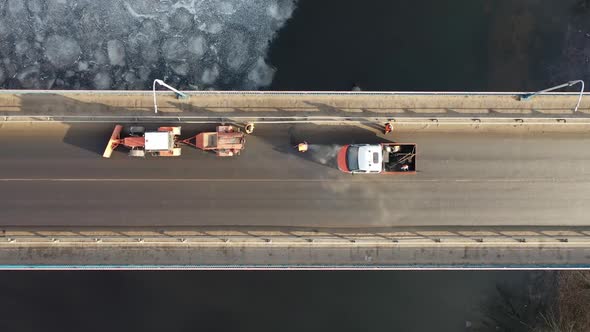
(298, 237)
(271, 93)
(279, 249)
(300, 119)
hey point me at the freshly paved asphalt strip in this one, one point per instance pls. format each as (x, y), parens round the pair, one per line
(54, 175)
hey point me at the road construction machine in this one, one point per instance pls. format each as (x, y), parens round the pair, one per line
(225, 141)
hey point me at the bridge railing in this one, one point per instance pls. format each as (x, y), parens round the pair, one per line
(348, 237)
(252, 248)
(425, 120)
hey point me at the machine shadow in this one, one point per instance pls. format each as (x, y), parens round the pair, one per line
(87, 136)
(93, 135)
(324, 140)
(32, 104)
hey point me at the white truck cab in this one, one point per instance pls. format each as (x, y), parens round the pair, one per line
(370, 159)
(378, 158)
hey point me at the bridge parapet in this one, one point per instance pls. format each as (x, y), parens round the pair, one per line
(40, 104)
(245, 248)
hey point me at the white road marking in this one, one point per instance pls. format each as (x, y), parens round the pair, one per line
(388, 180)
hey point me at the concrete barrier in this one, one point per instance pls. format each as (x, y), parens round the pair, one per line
(253, 105)
(246, 248)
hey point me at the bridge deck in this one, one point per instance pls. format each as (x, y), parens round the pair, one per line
(54, 175)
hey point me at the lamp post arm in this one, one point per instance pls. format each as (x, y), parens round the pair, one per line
(528, 96)
(154, 91)
(581, 92)
(179, 94)
(162, 83)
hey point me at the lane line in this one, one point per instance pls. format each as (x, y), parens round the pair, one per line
(425, 122)
(368, 181)
(436, 266)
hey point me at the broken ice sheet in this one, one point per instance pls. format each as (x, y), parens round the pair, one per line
(125, 44)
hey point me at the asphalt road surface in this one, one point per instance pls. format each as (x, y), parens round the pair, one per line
(54, 175)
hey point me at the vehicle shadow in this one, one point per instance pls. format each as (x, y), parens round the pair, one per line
(91, 137)
(323, 141)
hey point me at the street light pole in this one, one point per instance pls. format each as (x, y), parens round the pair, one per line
(179, 94)
(528, 96)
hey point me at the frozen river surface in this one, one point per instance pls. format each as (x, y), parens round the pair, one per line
(125, 44)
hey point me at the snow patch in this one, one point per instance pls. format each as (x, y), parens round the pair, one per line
(136, 14)
(102, 81)
(61, 51)
(261, 74)
(116, 52)
(197, 45)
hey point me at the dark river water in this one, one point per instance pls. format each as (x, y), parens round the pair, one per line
(460, 45)
(293, 44)
(267, 301)
(495, 45)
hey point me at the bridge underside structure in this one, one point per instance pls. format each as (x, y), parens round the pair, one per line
(502, 183)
